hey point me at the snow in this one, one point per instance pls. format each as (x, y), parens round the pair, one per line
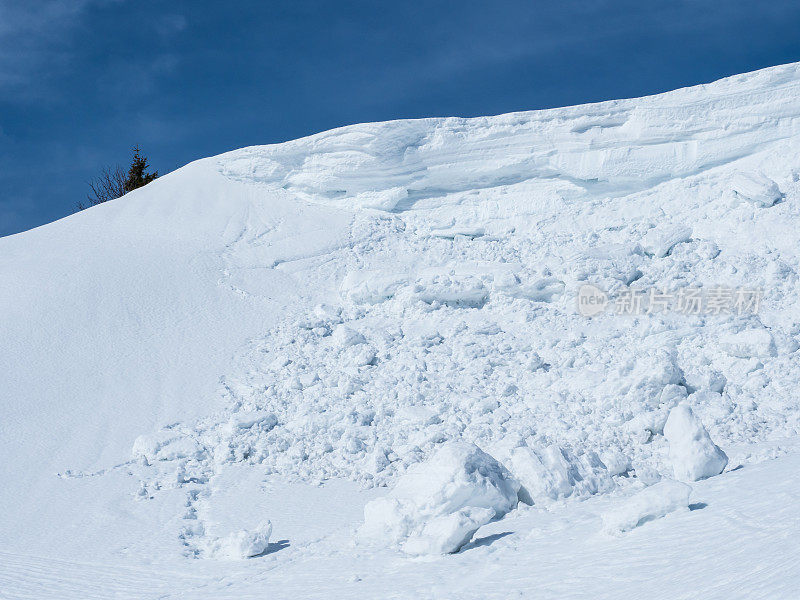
(164, 445)
(437, 506)
(370, 287)
(448, 533)
(651, 503)
(756, 187)
(289, 331)
(553, 473)
(694, 456)
(750, 343)
(344, 337)
(240, 544)
(724, 547)
(659, 243)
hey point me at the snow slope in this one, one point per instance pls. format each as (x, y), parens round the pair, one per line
(194, 360)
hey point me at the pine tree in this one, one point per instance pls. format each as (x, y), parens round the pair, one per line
(137, 174)
(113, 182)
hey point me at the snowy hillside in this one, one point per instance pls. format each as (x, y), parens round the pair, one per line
(350, 354)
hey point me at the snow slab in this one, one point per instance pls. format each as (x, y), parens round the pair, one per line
(651, 503)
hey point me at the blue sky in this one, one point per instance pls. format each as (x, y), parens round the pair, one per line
(81, 81)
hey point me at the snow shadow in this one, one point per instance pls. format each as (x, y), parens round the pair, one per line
(273, 547)
(485, 541)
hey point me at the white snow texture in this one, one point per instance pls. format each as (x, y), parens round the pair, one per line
(372, 335)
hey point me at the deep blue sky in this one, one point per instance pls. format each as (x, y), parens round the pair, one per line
(81, 81)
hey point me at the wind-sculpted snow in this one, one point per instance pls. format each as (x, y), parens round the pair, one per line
(343, 306)
(612, 148)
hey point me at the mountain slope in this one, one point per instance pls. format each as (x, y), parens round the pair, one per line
(337, 307)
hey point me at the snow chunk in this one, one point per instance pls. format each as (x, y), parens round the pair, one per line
(240, 544)
(466, 291)
(650, 423)
(453, 232)
(554, 473)
(545, 289)
(417, 415)
(344, 337)
(757, 188)
(437, 505)
(247, 419)
(651, 503)
(660, 242)
(381, 199)
(692, 453)
(448, 533)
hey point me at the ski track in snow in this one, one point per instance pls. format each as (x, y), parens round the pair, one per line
(425, 273)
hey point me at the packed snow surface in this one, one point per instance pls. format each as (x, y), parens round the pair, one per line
(283, 332)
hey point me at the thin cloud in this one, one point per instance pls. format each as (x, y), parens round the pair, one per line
(169, 25)
(35, 42)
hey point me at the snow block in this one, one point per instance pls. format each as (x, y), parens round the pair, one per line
(660, 242)
(553, 473)
(692, 453)
(757, 188)
(437, 505)
(344, 337)
(651, 503)
(381, 199)
(240, 544)
(247, 419)
(546, 289)
(450, 290)
(448, 533)
(450, 233)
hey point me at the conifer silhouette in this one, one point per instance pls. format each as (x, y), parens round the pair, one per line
(114, 183)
